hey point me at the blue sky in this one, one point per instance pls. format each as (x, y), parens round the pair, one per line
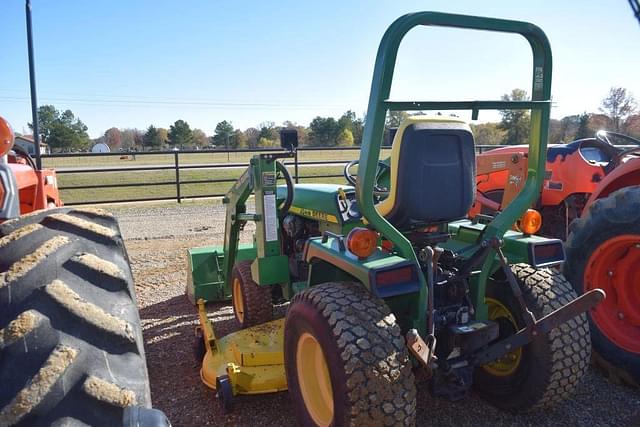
(135, 63)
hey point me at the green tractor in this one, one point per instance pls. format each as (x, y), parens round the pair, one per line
(387, 280)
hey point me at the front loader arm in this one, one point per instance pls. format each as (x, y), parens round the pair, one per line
(236, 209)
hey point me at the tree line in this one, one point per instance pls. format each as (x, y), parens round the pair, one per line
(618, 112)
(62, 131)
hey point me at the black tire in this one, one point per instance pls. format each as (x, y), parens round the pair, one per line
(552, 365)
(224, 394)
(257, 304)
(615, 215)
(366, 357)
(199, 347)
(71, 347)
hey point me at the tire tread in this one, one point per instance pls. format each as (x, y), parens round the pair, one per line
(70, 341)
(380, 383)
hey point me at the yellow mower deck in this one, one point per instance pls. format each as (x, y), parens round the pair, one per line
(252, 358)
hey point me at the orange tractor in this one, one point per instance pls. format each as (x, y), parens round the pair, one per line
(23, 187)
(591, 199)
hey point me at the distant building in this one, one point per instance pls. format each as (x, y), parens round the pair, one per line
(26, 143)
(100, 147)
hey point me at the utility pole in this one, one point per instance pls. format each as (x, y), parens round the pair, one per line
(32, 82)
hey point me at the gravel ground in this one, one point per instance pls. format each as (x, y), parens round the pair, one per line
(157, 238)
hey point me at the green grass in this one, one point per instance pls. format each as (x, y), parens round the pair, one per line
(169, 190)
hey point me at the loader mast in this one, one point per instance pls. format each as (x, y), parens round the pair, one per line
(260, 179)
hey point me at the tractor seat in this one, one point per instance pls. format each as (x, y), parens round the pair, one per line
(433, 170)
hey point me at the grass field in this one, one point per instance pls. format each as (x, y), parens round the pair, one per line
(204, 157)
(168, 190)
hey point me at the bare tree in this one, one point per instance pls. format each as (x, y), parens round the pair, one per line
(200, 139)
(113, 138)
(618, 105)
(130, 138)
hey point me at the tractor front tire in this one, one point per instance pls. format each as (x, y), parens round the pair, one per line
(603, 251)
(71, 347)
(548, 369)
(252, 303)
(346, 360)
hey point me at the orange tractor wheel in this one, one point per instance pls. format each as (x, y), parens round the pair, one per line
(603, 251)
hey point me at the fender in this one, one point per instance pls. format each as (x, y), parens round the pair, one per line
(383, 274)
(625, 175)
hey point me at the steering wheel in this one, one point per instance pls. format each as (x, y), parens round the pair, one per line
(21, 152)
(282, 172)
(378, 190)
(602, 136)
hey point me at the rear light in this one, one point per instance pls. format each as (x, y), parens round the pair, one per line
(6, 137)
(362, 242)
(396, 280)
(388, 278)
(530, 222)
(548, 253)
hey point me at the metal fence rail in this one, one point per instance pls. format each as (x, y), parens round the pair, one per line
(177, 166)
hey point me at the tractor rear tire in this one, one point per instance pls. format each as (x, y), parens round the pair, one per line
(71, 346)
(346, 360)
(548, 369)
(252, 303)
(603, 251)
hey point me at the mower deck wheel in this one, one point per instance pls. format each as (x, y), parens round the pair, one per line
(199, 348)
(224, 393)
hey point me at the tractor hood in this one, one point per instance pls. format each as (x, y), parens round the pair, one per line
(331, 203)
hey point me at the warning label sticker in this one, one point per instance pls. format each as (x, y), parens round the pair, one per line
(268, 179)
(270, 218)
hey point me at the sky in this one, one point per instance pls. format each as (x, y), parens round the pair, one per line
(135, 63)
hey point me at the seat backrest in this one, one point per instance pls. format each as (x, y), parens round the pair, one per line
(433, 172)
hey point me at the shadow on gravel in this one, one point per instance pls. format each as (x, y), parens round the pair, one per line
(176, 388)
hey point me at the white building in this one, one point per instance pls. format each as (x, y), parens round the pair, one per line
(26, 143)
(100, 147)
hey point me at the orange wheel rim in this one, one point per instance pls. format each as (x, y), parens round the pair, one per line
(614, 267)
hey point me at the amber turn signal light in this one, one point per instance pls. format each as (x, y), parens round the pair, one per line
(362, 242)
(6, 137)
(530, 222)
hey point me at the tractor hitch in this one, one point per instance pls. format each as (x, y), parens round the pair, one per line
(423, 352)
(542, 326)
(453, 377)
